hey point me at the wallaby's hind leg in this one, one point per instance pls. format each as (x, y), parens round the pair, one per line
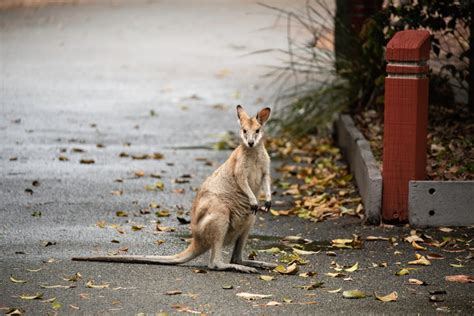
(237, 254)
(216, 262)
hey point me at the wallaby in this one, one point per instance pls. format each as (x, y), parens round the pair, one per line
(224, 209)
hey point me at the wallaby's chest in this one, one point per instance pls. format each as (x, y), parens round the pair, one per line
(255, 170)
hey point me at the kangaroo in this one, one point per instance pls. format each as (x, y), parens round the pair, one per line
(224, 209)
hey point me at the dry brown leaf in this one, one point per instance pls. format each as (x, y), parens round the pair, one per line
(460, 278)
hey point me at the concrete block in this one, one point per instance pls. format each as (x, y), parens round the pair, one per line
(441, 203)
(363, 165)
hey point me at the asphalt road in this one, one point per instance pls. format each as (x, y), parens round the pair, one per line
(96, 80)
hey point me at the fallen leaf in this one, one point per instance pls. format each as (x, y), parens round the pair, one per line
(156, 186)
(121, 214)
(445, 229)
(15, 280)
(413, 238)
(460, 278)
(117, 192)
(307, 274)
(373, 238)
(353, 294)
(139, 173)
(291, 269)
(14, 311)
(392, 297)
(266, 277)
(74, 278)
(227, 287)
(162, 228)
(87, 161)
(74, 307)
(416, 282)
(353, 268)
(137, 227)
(90, 284)
(335, 291)
(36, 296)
(199, 271)
(311, 286)
(420, 260)
(434, 298)
(434, 256)
(251, 297)
(162, 213)
(417, 246)
(33, 270)
(176, 292)
(403, 272)
(456, 265)
(335, 274)
(273, 303)
(304, 252)
(55, 305)
(272, 250)
(58, 286)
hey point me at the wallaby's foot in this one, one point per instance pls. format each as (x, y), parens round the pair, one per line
(231, 266)
(259, 264)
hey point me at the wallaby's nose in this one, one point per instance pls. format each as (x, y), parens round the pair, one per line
(251, 143)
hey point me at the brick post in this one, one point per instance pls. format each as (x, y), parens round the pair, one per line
(405, 120)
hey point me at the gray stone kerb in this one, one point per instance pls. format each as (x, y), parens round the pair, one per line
(363, 165)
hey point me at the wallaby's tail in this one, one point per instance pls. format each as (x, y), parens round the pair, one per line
(190, 253)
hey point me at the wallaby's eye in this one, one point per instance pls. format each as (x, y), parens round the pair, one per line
(245, 131)
(257, 131)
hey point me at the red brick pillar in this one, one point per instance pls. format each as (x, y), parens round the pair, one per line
(405, 119)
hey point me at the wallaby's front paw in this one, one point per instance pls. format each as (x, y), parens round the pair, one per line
(254, 208)
(268, 205)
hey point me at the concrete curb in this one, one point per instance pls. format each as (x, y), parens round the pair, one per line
(363, 165)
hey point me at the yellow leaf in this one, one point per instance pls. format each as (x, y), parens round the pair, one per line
(392, 297)
(15, 280)
(353, 268)
(335, 274)
(162, 213)
(353, 294)
(90, 284)
(36, 296)
(266, 277)
(403, 272)
(137, 227)
(291, 269)
(420, 260)
(416, 246)
(416, 282)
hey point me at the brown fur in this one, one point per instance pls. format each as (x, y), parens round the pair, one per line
(222, 209)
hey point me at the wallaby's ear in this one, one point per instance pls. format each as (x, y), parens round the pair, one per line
(241, 113)
(263, 115)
